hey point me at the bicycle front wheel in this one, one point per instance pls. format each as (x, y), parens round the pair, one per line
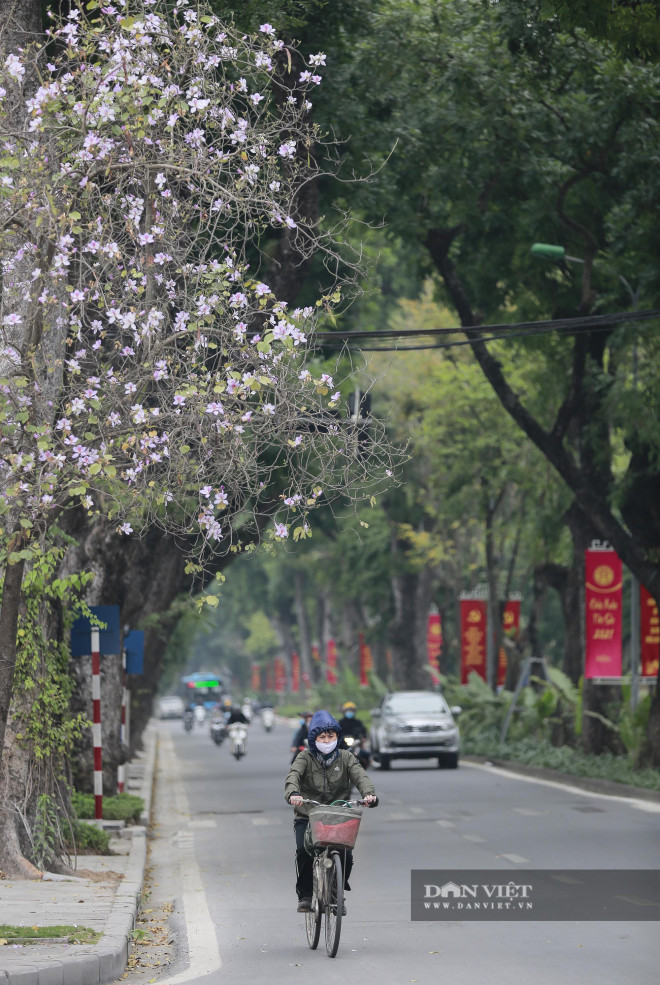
(334, 906)
(313, 919)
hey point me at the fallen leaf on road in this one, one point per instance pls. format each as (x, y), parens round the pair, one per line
(2, 941)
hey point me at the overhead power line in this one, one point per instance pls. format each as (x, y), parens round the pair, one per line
(488, 333)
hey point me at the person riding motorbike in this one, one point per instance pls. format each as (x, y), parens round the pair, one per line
(353, 727)
(300, 736)
(237, 715)
(325, 773)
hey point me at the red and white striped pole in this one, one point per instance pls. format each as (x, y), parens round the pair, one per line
(121, 770)
(96, 724)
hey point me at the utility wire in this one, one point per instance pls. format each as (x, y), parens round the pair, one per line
(511, 330)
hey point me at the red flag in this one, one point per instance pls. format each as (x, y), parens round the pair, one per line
(510, 628)
(270, 677)
(366, 662)
(473, 638)
(331, 663)
(256, 678)
(603, 598)
(295, 672)
(280, 675)
(434, 640)
(650, 633)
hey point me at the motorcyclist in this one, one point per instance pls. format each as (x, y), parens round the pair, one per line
(352, 726)
(325, 773)
(237, 715)
(300, 736)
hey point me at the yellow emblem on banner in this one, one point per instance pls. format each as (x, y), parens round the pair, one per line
(603, 575)
(474, 615)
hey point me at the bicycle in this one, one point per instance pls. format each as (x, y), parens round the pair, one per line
(331, 831)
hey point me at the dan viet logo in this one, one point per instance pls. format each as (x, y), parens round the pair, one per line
(478, 896)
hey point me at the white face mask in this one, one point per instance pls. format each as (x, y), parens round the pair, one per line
(326, 747)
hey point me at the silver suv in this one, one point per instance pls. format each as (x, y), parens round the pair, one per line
(415, 725)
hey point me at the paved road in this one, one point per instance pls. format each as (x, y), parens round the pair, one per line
(230, 838)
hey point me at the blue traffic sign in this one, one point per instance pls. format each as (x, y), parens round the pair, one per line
(109, 635)
(134, 646)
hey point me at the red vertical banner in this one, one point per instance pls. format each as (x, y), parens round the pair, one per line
(366, 663)
(255, 679)
(295, 673)
(280, 675)
(434, 640)
(473, 638)
(650, 633)
(270, 677)
(603, 604)
(331, 663)
(510, 628)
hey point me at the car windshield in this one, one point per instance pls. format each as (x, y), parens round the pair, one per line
(416, 704)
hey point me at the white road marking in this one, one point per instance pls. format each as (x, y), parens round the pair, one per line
(203, 951)
(398, 817)
(266, 820)
(446, 824)
(418, 810)
(514, 858)
(203, 823)
(474, 838)
(649, 806)
(528, 811)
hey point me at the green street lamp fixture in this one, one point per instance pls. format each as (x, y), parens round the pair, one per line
(551, 252)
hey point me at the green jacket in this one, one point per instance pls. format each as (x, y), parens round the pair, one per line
(316, 782)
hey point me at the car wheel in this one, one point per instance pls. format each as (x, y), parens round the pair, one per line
(449, 761)
(384, 761)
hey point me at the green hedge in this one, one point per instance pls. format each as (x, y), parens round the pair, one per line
(123, 807)
(535, 752)
(89, 840)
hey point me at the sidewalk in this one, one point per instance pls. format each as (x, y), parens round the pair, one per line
(104, 904)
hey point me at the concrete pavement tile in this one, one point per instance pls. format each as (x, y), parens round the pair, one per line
(27, 974)
(81, 969)
(112, 960)
(51, 973)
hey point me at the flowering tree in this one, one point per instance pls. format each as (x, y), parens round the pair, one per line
(147, 372)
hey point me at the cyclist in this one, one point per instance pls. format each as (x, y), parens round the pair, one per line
(300, 736)
(325, 773)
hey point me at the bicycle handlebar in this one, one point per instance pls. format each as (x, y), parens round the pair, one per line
(347, 803)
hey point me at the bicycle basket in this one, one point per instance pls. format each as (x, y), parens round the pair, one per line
(334, 825)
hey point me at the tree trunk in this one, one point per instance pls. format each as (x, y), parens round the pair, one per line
(303, 625)
(9, 609)
(411, 592)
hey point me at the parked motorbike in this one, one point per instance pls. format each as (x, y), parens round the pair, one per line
(200, 714)
(218, 730)
(359, 750)
(267, 718)
(188, 720)
(238, 737)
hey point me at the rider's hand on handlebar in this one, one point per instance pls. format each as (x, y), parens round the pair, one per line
(371, 800)
(295, 800)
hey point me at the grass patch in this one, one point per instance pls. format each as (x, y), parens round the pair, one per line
(536, 752)
(122, 807)
(72, 935)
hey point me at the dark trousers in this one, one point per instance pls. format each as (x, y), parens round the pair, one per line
(305, 865)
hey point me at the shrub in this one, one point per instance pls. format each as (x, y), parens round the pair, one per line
(123, 807)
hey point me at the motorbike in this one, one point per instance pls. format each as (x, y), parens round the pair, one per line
(199, 714)
(218, 730)
(267, 718)
(247, 710)
(238, 737)
(188, 720)
(359, 750)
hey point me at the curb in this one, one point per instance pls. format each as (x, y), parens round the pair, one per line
(609, 788)
(106, 961)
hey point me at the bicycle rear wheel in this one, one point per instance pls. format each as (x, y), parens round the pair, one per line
(334, 905)
(313, 919)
